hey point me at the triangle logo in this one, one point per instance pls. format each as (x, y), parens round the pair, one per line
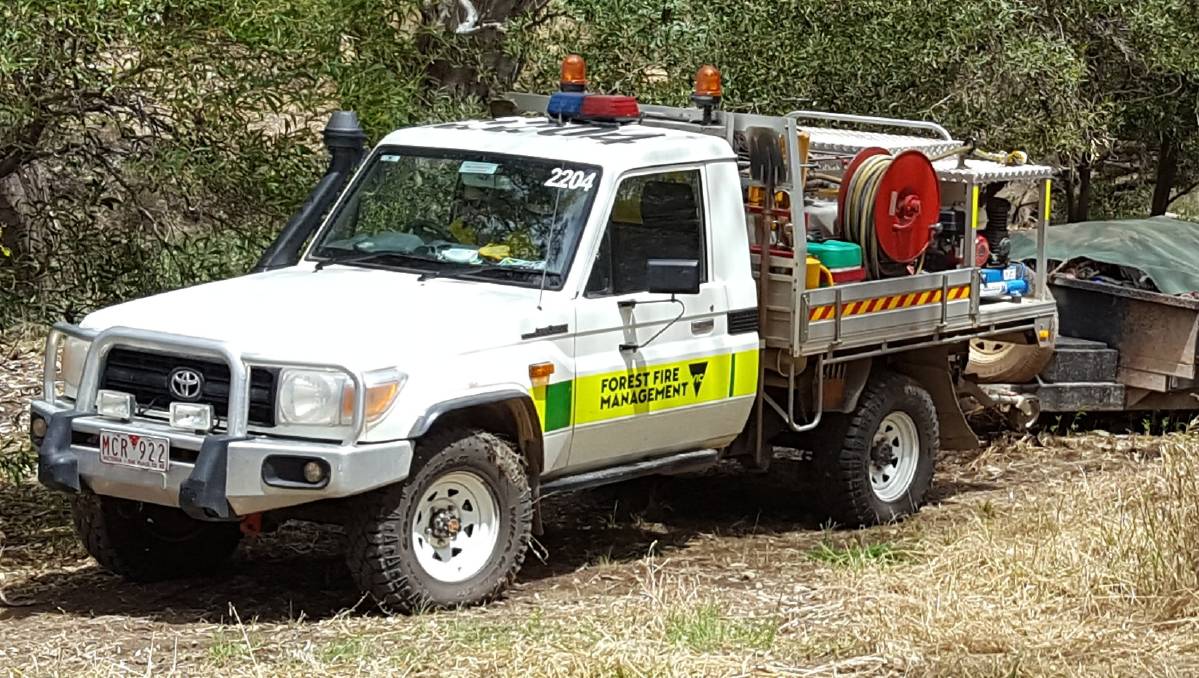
(698, 370)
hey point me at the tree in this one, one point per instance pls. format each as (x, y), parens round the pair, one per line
(146, 144)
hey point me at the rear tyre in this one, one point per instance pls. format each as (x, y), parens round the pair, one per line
(147, 542)
(884, 467)
(454, 534)
(1001, 362)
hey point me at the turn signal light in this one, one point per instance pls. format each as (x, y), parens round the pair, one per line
(541, 370)
(539, 373)
(378, 399)
(574, 74)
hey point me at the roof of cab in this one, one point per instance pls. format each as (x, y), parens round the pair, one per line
(613, 147)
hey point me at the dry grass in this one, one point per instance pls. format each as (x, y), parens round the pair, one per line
(1077, 558)
(1061, 556)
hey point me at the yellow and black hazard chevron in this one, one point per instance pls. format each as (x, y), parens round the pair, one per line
(890, 302)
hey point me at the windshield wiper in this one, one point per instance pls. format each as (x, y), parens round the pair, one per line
(452, 273)
(355, 257)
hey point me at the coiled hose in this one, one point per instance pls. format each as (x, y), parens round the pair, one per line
(858, 222)
(857, 218)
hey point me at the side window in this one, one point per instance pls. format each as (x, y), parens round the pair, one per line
(655, 216)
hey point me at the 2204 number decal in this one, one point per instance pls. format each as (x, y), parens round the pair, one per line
(571, 179)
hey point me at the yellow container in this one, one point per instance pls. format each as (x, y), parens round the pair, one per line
(817, 275)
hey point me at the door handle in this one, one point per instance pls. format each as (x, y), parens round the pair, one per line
(703, 326)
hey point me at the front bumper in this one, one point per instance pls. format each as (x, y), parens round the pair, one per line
(216, 477)
(219, 476)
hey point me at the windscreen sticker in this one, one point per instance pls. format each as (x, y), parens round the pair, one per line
(476, 167)
(390, 158)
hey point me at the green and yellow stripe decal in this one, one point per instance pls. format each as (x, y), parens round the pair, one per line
(553, 402)
(646, 389)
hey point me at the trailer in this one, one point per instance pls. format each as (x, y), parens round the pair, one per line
(1129, 325)
(1119, 350)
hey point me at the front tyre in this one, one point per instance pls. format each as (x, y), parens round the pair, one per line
(888, 449)
(147, 542)
(454, 534)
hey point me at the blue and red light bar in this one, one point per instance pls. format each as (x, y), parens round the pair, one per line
(583, 107)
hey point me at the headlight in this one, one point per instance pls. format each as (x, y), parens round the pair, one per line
(311, 398)
(323, 398)
(70, 371)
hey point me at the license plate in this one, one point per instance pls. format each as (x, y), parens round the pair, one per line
(139, 451)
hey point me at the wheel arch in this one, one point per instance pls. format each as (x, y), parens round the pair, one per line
(507, 412)
(853, 375)
(930, 367)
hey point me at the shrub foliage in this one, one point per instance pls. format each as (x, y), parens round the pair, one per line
(148, 144)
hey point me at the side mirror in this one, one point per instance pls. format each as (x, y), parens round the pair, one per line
(672, 276)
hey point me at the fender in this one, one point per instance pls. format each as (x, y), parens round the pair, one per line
(857, 373)
(425, 422)
(930, 367)
(520, 422)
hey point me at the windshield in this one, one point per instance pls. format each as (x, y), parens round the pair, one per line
(498, 217)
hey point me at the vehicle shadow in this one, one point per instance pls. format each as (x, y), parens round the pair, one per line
(298, 572)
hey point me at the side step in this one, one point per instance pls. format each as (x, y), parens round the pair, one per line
(684, 462)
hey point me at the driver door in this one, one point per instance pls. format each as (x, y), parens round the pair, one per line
(655, 372)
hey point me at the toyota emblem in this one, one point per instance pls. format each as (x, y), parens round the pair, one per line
(186, 383)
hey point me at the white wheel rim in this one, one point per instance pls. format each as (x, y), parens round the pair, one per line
(894, 456)
(989, 347)
(461, 554)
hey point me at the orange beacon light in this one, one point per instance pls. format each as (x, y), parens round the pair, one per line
(574, 74)
(708, 90)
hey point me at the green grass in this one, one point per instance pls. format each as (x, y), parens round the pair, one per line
(226, 649)
(344, 650)
(858, 555)
(17, 459)
(705, 629)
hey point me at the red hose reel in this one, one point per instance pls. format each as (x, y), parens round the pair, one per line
(897, 197)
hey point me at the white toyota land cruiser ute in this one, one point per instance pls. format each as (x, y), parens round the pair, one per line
(489, 312)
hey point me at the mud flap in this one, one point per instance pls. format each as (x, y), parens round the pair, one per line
(930, 367)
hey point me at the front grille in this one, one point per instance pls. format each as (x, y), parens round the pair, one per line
(146, 375)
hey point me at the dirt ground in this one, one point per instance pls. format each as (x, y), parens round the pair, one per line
(1040, 556)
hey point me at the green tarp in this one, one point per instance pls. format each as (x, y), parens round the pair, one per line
(1165, 249)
